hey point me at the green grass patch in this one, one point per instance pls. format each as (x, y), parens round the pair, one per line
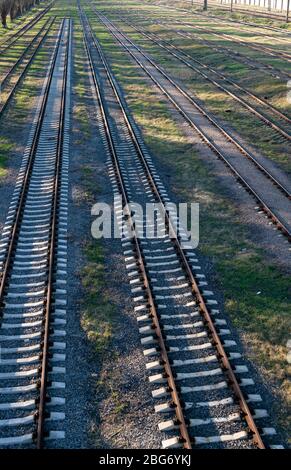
(5, 149)
(98, 313)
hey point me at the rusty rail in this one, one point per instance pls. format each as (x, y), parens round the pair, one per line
(51, 258)
(4, 281)
(169, 47)
(170, 377)
(18, 34)
(22, 74)
(262, 205)
(221, 354)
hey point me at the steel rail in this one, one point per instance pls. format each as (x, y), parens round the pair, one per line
(258, 47)
(238, 56)
(231, 22)
(158, 332)
(12, 91)
(161, 43)
(224, 20)
(222, 356)
(266, 50)
(228, 79)
(256, 13)
(20, 206)
(229, 137)
(13, 67)
(263, 206)
(5, 274)
(262, 47)
(245, 90)
(261, 64)
(51, 258)
(18, 34)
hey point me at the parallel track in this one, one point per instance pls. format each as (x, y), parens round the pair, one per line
(180, 331)
(235, 54)
(33, 47)
(12, 39)
(178, 52)
(255, 26)
(256, 13)
(269, 189)
(258, 47)
(33, 280)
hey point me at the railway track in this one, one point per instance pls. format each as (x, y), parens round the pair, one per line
(259, 14)
(259, 47)
(254, 26)
(272, 197)
(219, 80)
(13, 76)
(234, 54)
(33, 251)
(12, 39)
(196, 374)
(249, 12)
